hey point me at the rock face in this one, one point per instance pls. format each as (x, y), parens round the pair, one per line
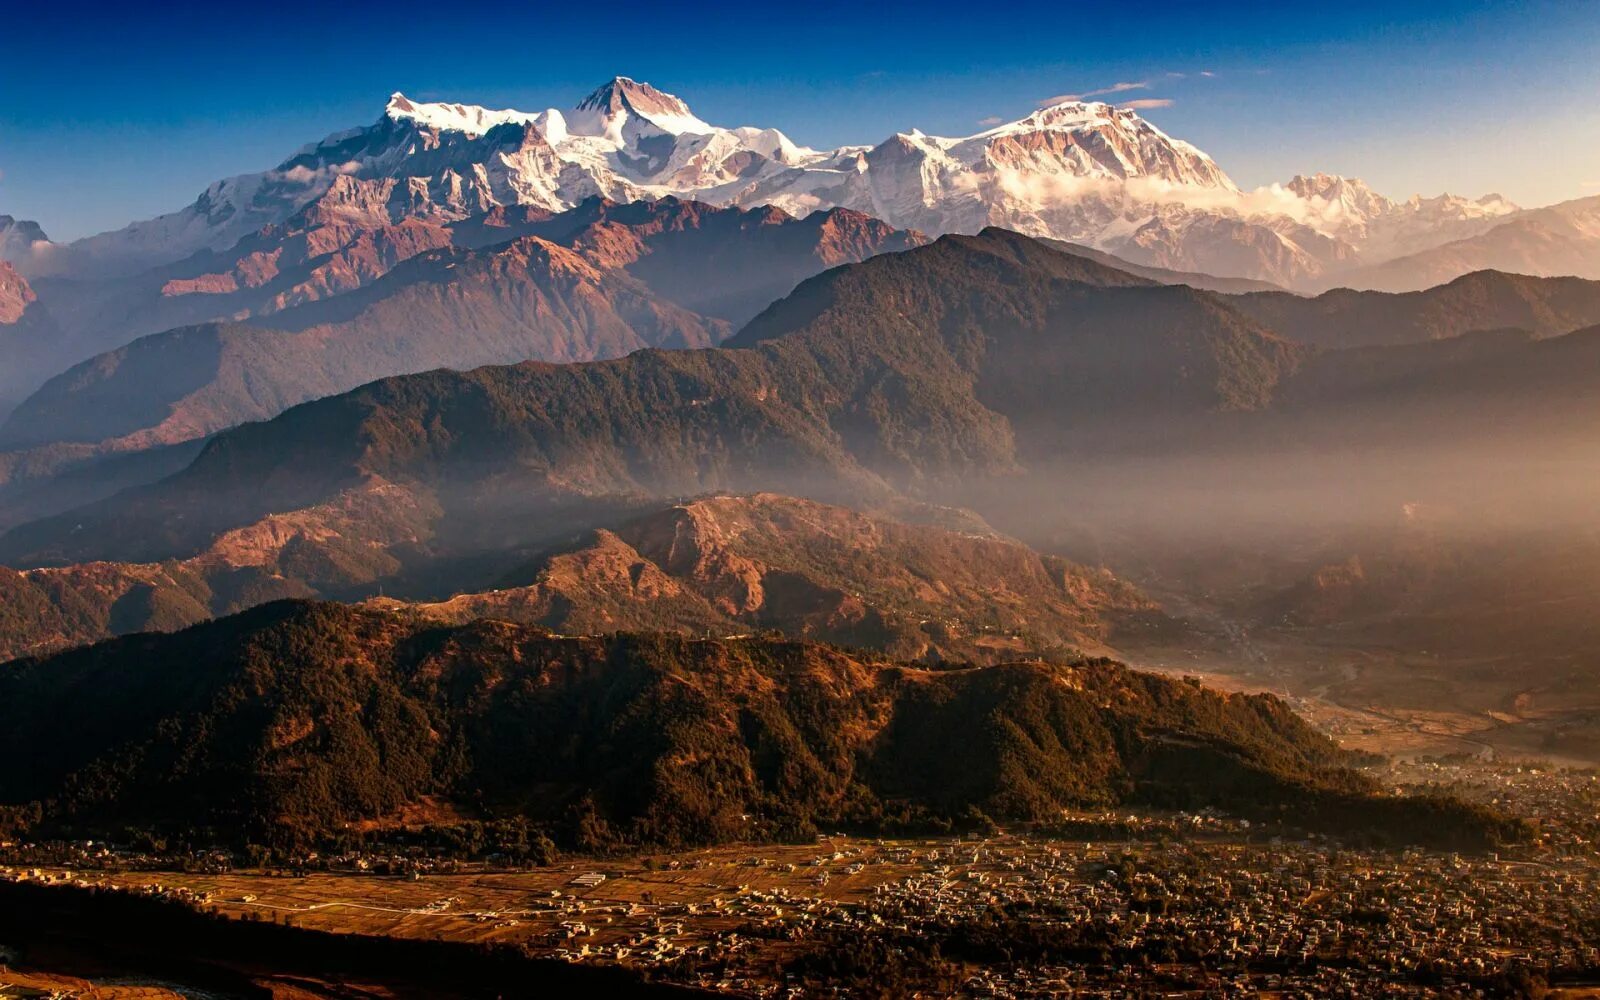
(1383, 228)
(1080, 171)
(28, 337)
(15, 294)
(287, 724)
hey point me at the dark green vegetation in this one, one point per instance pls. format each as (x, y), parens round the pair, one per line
(290, 723)
(1482, 300)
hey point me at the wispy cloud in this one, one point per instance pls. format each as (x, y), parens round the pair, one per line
(1587, 184)
(1124, 86)
(1116, 88)
(991, 120)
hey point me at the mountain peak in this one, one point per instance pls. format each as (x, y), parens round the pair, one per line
(468, 118)
(21, 230)
(612, 102)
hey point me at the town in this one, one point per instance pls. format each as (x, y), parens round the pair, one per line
(1192, 904)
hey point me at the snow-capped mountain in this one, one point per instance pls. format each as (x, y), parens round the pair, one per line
(1383, 228)
(1086, 172)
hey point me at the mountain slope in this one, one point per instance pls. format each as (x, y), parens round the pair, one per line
(27, 335)
(908, 370)
(809, 570)
(460, 308)
(1071, 351)
(331, 549)
(291, 722)
(1483, 300)
(351, 235)
(616, 278)
(721, 564)
(1166, 276)
(1562, 239)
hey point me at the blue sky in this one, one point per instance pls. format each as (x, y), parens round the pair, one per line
(107, 116)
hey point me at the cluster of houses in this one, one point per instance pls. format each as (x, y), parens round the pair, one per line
(1192, 903)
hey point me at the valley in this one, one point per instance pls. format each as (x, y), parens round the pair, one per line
(1025, 912)
(595, 550)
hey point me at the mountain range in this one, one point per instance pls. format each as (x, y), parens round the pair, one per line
(720, 564)
(899, 373)
(1084, 172)
(929, 585)
(995, 371)
(454, 236)
(595, 282)
(969, 356)
(952, 371)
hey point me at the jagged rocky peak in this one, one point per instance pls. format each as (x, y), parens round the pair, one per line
(1350, 192)
(15, 294)
(1092, 138)
(21, 241)
(21, 230)
(611, 104)
(1083, 171)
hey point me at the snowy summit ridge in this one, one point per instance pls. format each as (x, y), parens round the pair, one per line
(1087, 172)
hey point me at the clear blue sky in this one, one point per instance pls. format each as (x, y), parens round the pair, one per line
(107, 116)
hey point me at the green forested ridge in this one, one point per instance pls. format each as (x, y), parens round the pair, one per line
(291, 722)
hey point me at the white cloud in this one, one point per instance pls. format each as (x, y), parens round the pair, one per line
(1139, 196)
(1148, 102)
(991, 120)
(1116, 88)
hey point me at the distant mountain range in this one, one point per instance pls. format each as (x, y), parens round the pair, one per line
(969, 357)
(594, 282)
(719, 565)
(991, 371)
(1482, 300)
(965, 361)
(454, 236)
(1078, 171)
(904, 371)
